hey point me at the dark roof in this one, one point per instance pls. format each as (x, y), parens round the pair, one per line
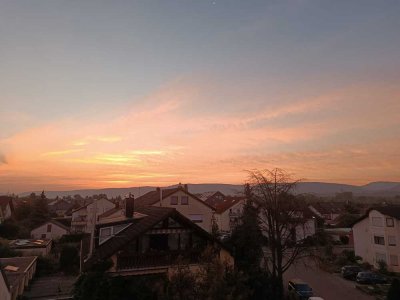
(139, 226)
(153, 197)
(53, 222)
(66, 221)
(329, 207)
(228, 202)
(109, 212)
(22, 263)
(87, 204)
(389, 210)
(215, 199)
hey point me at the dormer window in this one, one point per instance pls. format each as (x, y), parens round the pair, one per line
(184, 200)
(174, 200)
(389, 222)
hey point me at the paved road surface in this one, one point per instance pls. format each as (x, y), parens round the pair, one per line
(325, 285)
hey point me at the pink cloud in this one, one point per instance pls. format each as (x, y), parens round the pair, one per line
(159, 140)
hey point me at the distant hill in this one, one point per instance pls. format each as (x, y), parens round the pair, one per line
(384, 189)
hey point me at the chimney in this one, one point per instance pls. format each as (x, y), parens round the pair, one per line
(185, 187)
(129, 206)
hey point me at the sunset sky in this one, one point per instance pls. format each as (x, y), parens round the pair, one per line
(125, 93)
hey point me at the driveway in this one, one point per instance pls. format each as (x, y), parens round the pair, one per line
(325, 285)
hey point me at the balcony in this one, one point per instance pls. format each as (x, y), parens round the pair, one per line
(154, 260)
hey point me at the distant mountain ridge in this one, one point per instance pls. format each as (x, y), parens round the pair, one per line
(379, 188)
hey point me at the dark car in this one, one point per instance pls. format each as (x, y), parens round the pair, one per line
(370, 278)
(350, 272)
(299, 290)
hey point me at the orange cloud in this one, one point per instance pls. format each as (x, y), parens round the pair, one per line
(159, 141)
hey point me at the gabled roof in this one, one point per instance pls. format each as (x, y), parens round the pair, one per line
(154, 215)
(109, 212)
(215, 199)
(86, 205)
(153, 197)
(329, 207)
(53, 222)
(228, 202)
(389, 210)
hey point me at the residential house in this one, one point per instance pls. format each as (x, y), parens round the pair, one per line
(60, 207)
(83, 218)
(212, 198)
(5, 292)
(50, 230)
(6, 208)
(32, 247)
(186, 203)
(377, 237)
(328, 211)
(18, 272)
(152, 243)
(228, 212)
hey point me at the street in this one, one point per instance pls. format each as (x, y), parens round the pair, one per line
(325, 285)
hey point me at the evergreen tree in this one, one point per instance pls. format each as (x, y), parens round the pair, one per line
(40, 212)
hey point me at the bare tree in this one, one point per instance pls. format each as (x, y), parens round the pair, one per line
(280, 215)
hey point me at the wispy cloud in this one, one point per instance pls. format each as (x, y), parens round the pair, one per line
(160, 140)
(2, 159)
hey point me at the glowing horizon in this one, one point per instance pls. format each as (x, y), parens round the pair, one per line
(126, 99)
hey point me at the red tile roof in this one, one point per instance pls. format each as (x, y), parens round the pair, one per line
(228, 202)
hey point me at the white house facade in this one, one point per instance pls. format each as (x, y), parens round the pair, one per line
(377, 237)
(49, 230)
(83, 219)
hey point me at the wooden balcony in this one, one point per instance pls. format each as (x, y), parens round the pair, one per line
(154, 260)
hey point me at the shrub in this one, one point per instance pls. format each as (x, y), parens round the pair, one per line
(45, 265)
(394, 290)
(69, 259)
(6, 251)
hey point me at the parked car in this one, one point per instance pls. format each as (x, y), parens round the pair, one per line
(370, 278)
(315, 298)
(350, 272)
(299, 290)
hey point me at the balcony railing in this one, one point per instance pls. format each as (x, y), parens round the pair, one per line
(151, 260)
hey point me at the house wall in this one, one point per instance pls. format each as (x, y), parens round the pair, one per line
(194, 207)
(362, 241)
(364, 233)
(4, 291)
(39, 251)
(223, 219)
(55, 233)
(102, 206)
(305, 230)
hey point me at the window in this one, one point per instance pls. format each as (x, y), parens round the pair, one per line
(48, 227)
(184, 200)
(391, 240)
(394, 260)
(105, 233)
(196, 218)
(379, 240)
(377, 221)
(380, 257)
(43, 236)
(174, 200)
(389, 222)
